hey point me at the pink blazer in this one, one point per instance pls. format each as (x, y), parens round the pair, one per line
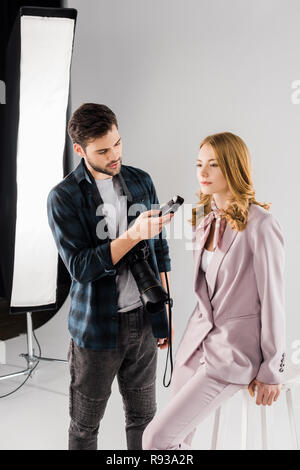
(239, 317)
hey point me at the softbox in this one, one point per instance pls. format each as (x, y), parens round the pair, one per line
(34, 159)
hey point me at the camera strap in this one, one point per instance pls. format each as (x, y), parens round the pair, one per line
(127, 193)
(169, 353)
(170, 303)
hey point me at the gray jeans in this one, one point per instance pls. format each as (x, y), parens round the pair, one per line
(92, 373)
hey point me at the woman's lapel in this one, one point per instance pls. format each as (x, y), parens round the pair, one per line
(215, 262)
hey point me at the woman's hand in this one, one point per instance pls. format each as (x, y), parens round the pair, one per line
(266, 393)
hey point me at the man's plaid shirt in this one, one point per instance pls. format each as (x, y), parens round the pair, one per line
(93, 317)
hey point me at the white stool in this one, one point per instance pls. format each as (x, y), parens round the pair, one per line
(292, 379)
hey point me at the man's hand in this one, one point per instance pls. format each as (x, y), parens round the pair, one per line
(162, 343)
(266, 393)
(148, 224)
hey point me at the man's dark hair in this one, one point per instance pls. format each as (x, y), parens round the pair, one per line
(90, 121)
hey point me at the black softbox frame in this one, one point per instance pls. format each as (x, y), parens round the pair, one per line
(13, 325)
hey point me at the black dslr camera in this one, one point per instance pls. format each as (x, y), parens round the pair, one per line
(152, 293)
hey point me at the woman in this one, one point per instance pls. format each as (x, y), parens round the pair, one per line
(236, 333)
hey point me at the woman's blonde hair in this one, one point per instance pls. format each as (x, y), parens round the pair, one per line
(234, 161)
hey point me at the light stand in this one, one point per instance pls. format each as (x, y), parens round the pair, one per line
(30, 357)
(38, 55)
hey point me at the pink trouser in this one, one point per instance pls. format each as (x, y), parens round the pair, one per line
(193, 396)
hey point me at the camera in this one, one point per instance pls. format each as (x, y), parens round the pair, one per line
(152, 293)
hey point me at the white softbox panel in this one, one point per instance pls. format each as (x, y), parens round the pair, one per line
(46, 51)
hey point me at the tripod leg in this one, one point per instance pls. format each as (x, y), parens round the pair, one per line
(30, 358)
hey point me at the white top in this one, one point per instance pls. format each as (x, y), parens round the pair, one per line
(115, 212)
(206, 258)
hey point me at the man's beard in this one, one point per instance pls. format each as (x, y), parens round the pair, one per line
(106, 170)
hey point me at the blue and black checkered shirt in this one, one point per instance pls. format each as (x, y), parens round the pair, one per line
(93, 317)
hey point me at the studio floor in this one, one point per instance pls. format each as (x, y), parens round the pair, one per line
(36, 416)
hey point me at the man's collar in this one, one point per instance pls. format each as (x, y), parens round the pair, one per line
(80, 173)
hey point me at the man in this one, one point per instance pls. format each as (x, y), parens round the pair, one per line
(111, 332)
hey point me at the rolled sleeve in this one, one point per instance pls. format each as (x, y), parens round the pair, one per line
(84, 263)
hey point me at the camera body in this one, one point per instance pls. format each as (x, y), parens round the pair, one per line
(152, 293)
